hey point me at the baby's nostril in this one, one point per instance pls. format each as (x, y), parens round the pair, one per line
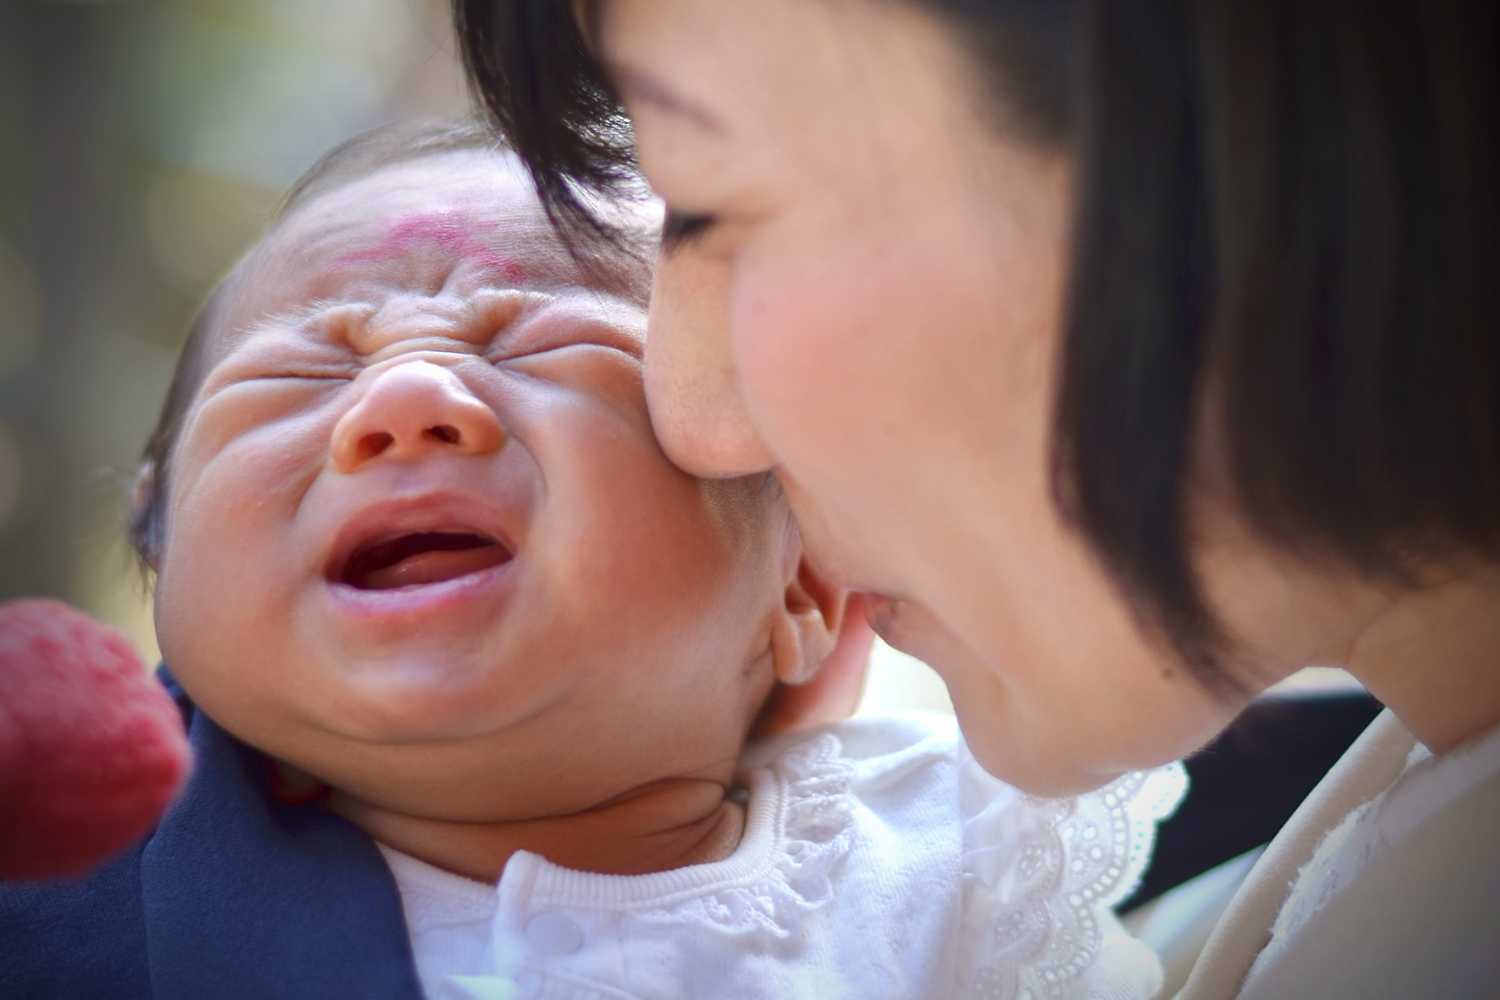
(374, 444)
(446, 433)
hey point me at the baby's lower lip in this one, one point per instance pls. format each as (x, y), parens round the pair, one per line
(420, 558)
(433, 567)
(416, 600)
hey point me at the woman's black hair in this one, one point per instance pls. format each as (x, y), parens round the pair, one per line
(550, 99)
(1286, 245)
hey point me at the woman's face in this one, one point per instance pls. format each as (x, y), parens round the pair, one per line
(867, 298)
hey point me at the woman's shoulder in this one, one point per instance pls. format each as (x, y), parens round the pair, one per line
(1429, 842)
(1420, 920)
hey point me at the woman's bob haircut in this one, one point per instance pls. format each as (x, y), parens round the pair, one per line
(1286, 246)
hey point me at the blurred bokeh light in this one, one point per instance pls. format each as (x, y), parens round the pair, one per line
(143, 144)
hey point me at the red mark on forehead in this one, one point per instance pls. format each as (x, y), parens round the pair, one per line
(441, 229)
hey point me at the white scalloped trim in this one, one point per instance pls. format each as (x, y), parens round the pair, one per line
(1047, 870)
(811, 831)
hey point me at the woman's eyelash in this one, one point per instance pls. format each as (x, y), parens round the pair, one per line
(679, 228)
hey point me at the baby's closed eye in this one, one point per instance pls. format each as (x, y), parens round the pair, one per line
(283, 351)
(576, 321)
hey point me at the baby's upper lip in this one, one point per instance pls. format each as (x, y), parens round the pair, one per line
(396, 517)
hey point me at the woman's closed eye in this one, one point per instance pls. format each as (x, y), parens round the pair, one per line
(681, 228)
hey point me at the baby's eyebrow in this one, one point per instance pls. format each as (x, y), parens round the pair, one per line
(447, 230)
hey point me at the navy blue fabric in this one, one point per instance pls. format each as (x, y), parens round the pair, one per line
(75, 939)
(235, 895)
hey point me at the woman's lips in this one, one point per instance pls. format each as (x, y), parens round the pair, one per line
(880, 612)
(421, 558)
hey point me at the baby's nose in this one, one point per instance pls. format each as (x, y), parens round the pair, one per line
(411, 411)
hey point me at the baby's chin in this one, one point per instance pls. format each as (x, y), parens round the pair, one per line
(535, 772)
(420, 698)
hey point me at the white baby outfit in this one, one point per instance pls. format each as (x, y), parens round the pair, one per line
(878, 860)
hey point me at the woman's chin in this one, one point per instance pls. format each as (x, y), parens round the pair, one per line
(1037, 769)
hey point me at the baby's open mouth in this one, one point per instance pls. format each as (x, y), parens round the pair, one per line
(420, 558)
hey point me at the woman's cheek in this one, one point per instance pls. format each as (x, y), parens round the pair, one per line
(788, 333)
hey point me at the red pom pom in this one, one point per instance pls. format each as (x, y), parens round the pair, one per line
(91, 747)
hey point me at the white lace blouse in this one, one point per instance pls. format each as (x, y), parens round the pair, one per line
(878, 860)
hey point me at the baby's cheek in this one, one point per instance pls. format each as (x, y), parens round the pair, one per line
(223, 636)
(227, 584)
(751, 523)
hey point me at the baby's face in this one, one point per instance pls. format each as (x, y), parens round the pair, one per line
(422, 542)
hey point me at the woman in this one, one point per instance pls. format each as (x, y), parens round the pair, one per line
(1141, 352)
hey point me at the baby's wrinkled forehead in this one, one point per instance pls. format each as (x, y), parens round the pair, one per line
(440, 237)
(443, 233)
(453, 223)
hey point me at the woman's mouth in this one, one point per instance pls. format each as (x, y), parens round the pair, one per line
(421, 558)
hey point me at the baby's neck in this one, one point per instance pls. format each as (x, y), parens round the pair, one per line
(661, 826)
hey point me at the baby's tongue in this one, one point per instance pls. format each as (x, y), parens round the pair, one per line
(434, 567)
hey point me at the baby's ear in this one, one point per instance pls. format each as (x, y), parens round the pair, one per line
(141, 485)
(833, 693)
(807, 627)
(142, 491)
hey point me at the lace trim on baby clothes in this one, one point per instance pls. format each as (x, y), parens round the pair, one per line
(1041, 874)
(804, 797)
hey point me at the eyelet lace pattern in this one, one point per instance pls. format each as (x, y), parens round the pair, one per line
(1040, 873)
(813, 830)
(1048, 870)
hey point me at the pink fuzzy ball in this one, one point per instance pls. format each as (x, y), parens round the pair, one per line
(91, 747)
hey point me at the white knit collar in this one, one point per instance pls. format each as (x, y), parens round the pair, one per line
(799, 825)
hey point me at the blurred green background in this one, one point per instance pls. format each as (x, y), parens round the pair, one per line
(143, 144)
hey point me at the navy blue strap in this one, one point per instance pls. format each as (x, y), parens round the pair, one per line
(245, 896)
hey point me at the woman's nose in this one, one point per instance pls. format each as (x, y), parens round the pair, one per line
(697, 409)
(411, 411)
